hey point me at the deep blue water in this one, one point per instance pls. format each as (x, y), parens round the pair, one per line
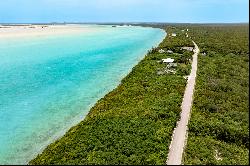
(48, 84)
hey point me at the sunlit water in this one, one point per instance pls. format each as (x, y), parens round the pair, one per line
(48, 84)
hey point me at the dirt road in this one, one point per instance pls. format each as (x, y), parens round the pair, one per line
(180, 133)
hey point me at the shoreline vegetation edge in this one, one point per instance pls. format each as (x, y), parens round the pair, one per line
(92, 115)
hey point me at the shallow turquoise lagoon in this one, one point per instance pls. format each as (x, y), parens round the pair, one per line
(48, 84)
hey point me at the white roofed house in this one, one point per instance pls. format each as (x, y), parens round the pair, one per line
(168, 60)
(187, 48)
(170, 51)
(173, 34)
(170, 68)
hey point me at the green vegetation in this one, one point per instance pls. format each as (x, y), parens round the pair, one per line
(219, 126)
(133, 124)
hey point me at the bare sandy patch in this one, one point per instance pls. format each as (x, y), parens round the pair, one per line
(42, 30)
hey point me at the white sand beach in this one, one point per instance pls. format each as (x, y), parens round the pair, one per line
(40, 30)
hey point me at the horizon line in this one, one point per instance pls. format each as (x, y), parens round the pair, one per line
(116, 22)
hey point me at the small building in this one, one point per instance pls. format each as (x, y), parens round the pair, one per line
(168, 60)
(173, 34)
(161, 51)
(170, 51)
(187, 48)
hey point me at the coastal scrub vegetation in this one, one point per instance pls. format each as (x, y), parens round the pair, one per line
(132, 124)
(219, 126)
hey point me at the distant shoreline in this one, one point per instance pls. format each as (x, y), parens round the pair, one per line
(25, 30)
(39, 30)
(148, 24)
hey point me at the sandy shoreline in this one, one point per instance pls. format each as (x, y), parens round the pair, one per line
(41, 30)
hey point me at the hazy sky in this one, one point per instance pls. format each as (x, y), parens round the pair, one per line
(194, 11)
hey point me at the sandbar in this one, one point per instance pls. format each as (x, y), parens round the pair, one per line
(18, 31)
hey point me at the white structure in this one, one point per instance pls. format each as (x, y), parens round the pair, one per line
(161, 51)
(187, 30)
(173, 34)
(187, 48)
(170, 51)
(168, 60)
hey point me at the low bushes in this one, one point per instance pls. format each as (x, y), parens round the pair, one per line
(219, 125)
(132, 124)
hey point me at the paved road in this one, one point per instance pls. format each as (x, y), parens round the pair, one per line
(180, 133)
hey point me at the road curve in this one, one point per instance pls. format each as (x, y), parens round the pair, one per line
(179, 136)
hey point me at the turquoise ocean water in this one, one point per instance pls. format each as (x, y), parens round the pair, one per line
(48, 84)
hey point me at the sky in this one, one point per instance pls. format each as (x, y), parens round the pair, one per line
(171, 11)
